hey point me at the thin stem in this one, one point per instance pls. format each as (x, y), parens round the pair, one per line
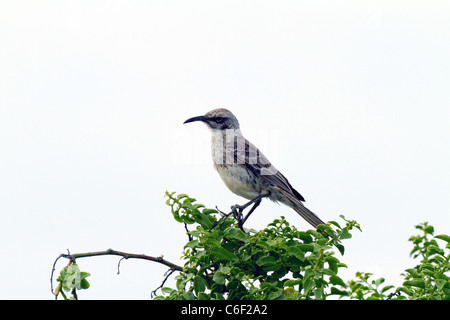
(125, 255)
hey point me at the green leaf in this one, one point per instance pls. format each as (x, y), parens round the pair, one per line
(203, 220)
(415, 283)
(308, 284)
(296, 252)
(72, 278)
(306, 247)
(326, 228)
(318, 293)
(306, 237)
(181, 282)
(313, 233)
(237, 234)
(219, 278)
(290, 282)
(180, 196)
(264, 245)
(443, 237)
(218, 296)
(340, 248)
(434, 249)
(329, 272)
(212, 242)
(440, 283)
(84, 284)
(429, 229)
(266, 260)
(405, 290)
(199, 284)
(203, 296)
(338, 292)
(192, 244)
(233, 284)
(209, 211)
(309, 273)
(271, 267)
(187, 205)
(386, 288)
(177, 216)
(275, 295)
(345, 234)
(337, 281)
(413, 272)
(188, 296)
(167, 290)
(335, 224)
(224, 254)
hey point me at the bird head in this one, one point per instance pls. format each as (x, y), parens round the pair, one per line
(219, 119)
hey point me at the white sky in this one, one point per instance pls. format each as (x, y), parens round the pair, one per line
(349, 99)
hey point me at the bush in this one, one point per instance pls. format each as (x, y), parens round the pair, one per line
(279, 262)
(428, 280)
(223, 262)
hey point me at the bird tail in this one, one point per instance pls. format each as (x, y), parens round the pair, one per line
(312, 218)
(307, 214)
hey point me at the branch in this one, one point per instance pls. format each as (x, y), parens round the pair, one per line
(125, 255)
(166, 276)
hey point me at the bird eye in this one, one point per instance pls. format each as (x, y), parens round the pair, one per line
(219, 119)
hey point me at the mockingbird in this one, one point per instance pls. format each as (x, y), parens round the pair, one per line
(245, 170)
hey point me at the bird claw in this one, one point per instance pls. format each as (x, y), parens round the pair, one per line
(236, 210)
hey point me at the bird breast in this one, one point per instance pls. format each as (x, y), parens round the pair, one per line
(239, 180)
(235, 175)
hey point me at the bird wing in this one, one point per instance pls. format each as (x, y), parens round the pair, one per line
(250, 156)
(247, 154)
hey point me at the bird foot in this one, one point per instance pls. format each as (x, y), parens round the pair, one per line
(236, 210)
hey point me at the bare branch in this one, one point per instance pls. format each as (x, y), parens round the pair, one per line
(166, 276)
(124, 255)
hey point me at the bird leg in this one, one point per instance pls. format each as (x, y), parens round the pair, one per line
(257, 203)
(237, 210)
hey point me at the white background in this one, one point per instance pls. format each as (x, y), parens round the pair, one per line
(349, 99)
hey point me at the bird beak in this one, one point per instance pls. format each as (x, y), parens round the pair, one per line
(199, 118)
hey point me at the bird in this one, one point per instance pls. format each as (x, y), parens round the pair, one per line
(245, 170)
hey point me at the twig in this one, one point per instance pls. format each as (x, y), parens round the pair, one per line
(166, 276)
(190, 237)
(395, 294)
(223, 218)
(125, 255)
(54, 267)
